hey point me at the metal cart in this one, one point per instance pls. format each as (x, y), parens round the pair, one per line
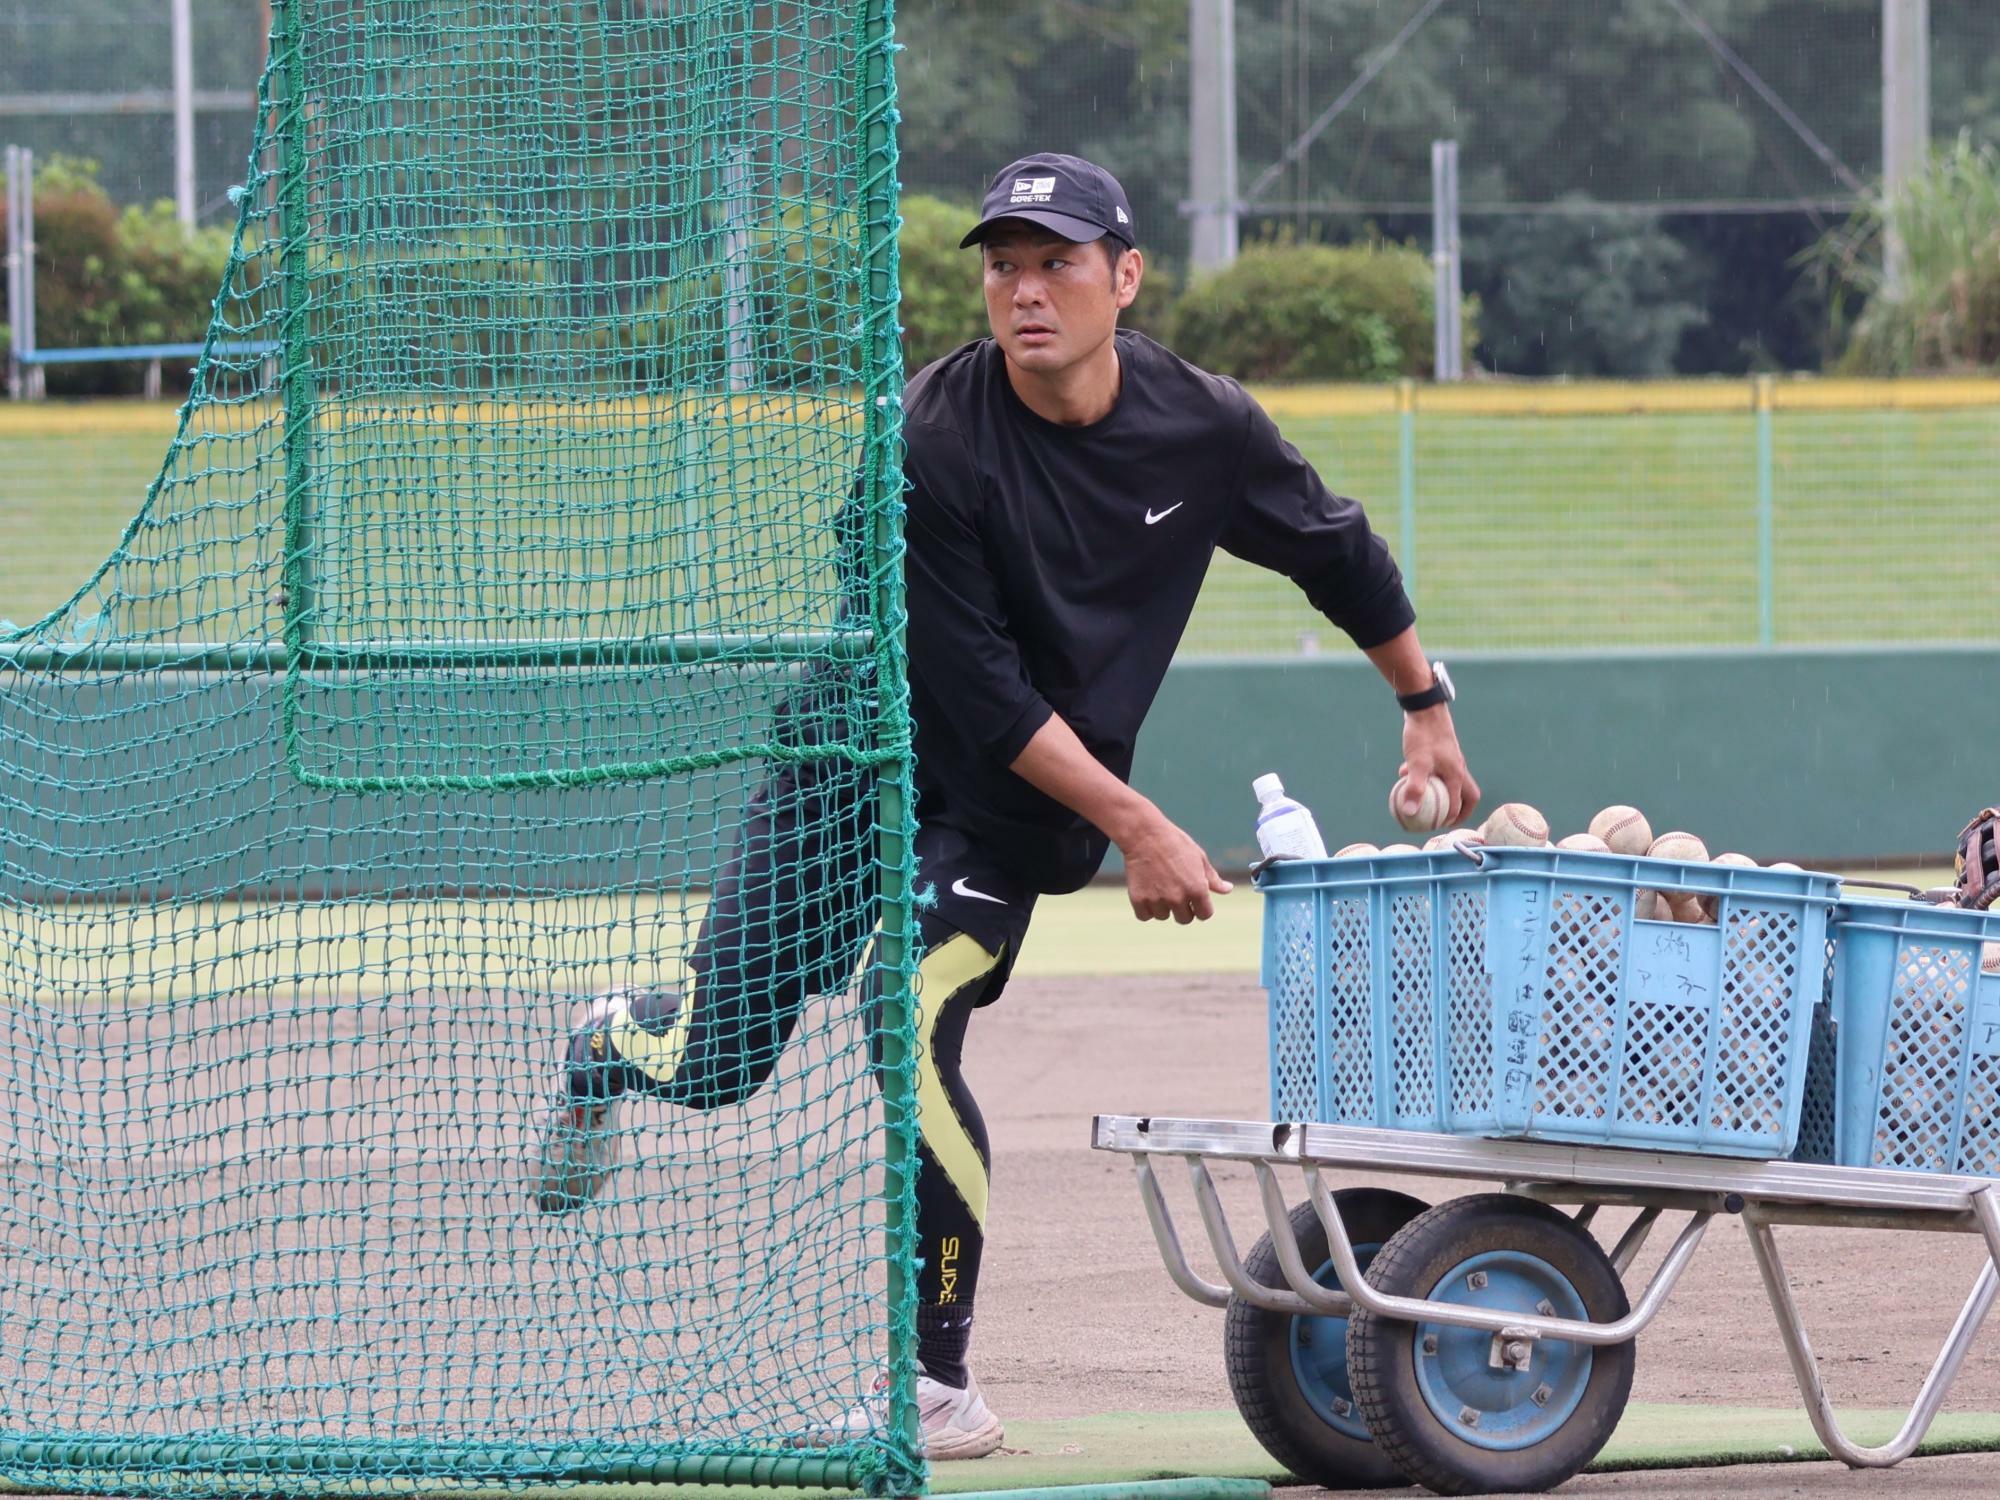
(1491, 1346)
(1526, 1016)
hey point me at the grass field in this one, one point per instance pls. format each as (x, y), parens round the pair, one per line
(350, 949)
(1546, 529)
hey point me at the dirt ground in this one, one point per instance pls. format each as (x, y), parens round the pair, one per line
(1075, 1314)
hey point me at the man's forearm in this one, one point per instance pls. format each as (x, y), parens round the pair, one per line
(1057, 765)
(1401, 662)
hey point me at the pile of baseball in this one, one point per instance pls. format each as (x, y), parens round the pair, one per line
(1615, 830)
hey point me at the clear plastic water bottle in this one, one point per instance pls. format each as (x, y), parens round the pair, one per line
(1285, 829)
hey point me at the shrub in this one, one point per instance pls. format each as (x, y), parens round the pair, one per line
(1152, 311)
(1943, 312)
(1287, 311)
(105, 277)
(942, 305)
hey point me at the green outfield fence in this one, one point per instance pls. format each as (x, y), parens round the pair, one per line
(1661, 514)
(1778, 511)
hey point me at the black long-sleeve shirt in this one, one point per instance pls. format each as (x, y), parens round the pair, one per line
(1052, 569)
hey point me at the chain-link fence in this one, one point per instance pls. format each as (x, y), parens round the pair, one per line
(1651, 516)
(93, 79)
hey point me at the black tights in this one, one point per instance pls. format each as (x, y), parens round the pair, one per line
(788, 919)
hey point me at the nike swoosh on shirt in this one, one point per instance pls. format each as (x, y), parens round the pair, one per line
(960, 888)
(1153, 518)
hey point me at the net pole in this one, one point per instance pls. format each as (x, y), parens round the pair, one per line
(1212, 133)
(183, 50)
(895, 815)
(1906, 107)
(34, 382)
(14, 274)
(736, 268)
(1448, 358)
(294, 212)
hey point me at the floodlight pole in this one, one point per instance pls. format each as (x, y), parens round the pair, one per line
(183, 50)
(1906, 104)
(1211, 201)
(1448, 296)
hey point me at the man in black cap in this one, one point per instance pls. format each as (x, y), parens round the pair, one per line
(1069, 483)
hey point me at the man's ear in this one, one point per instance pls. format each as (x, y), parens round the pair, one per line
(1129, 272)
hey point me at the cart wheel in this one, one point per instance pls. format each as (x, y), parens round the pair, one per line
(1439, 1405)
(1289, 1374)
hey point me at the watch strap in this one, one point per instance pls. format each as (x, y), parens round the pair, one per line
(1440, 691)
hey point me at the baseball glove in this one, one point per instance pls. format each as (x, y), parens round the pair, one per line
(1977, 866)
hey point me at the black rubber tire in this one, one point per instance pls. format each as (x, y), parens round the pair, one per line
(1382, 1352)
(1257, 1345)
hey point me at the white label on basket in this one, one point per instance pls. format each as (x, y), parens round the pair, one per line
(1986, 1017)
(1674, 966)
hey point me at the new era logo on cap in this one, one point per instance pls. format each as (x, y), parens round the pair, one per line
(1033, 189)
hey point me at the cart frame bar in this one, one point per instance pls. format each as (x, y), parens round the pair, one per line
(1761, 1193)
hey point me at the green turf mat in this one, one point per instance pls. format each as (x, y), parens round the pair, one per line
(1121, 1449)
(1658, 1436)
(1146, 1445)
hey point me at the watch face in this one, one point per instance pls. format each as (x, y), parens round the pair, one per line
(1444, 681)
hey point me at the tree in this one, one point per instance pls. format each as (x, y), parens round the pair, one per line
(1585, 295)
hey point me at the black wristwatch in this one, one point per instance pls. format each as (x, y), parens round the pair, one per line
(1440, 691)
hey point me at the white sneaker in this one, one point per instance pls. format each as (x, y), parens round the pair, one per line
(955, 1423)
(577, 1143)
(575, 1151)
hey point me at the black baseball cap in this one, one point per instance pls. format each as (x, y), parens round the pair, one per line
(1077, 199)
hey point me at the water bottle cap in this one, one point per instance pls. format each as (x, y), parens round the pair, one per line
(1268, 786)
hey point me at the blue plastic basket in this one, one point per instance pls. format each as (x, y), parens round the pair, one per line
(1380, 1007)
(1916, 1038)
(1667, 1035)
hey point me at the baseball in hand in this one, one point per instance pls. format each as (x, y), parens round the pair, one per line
(1433, 808)
(1516, 825)
(1623, 829)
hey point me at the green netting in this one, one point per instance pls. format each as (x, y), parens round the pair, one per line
(537, 502)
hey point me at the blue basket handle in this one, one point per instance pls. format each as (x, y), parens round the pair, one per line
(1937, 895)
